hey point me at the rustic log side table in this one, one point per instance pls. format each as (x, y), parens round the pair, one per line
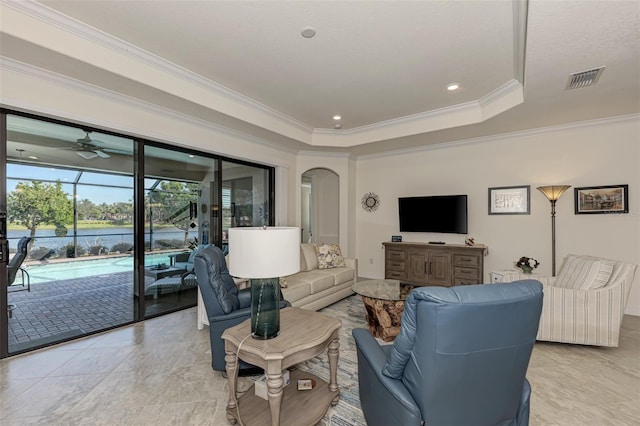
(384, 303)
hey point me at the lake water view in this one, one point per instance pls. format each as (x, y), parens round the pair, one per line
(86, 238)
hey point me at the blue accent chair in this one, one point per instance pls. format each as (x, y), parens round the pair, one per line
(460, 359)
(226, 305)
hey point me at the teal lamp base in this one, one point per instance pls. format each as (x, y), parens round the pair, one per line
(265, 308)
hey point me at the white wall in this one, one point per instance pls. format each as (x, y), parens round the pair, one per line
(587, 154)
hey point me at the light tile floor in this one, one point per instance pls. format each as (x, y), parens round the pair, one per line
(159, 373)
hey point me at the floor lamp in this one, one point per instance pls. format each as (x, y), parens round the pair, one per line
(552, 193)
(264, 255)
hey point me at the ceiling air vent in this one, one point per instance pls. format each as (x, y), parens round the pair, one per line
(584, 78)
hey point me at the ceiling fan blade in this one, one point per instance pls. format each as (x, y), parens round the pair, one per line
(87, 155)
(101, 153)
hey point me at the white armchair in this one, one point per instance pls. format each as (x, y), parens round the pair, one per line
(585, 303)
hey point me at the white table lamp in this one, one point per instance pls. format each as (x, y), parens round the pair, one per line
(264, 255)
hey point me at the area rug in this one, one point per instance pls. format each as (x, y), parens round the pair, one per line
(347, 412)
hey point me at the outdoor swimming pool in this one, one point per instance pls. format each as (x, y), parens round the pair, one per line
(78, 268)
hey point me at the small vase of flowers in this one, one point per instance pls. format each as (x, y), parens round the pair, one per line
(527, 264)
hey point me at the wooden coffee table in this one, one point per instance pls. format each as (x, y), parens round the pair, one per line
(303, 335)
(384, 303)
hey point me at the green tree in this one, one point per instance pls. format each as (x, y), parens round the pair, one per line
(86, 210)
(170, 204)
(124, 212)
(34, 203)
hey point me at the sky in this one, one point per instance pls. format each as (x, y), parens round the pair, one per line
(87, 187)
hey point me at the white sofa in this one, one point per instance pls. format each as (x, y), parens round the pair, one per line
(585, 303)
(313, 288)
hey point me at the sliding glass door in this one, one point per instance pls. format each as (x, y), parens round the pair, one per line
(176, 223)
(98, 230)
(69, 229)
(246, 198)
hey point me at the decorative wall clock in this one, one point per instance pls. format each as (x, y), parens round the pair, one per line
(370, 201)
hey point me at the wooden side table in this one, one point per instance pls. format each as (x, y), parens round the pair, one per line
(303, 335)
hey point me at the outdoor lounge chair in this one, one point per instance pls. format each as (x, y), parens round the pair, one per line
(15, 264)
(173, 284)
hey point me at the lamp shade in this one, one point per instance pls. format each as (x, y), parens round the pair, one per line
(264, 252)
(553, 192)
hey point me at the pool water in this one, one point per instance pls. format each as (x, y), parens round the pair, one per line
(79, 268)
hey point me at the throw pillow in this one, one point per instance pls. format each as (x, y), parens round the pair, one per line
(583, 274)
(329, 256)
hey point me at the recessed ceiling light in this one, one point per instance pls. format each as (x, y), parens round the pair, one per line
(308, 32)
(337, 126)
(191, 156)
(453, 86)
(33, 157)
(337, 117)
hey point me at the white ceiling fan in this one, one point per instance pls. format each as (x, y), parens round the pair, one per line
(88, 149)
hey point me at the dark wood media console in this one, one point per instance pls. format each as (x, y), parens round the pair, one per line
(434, 264)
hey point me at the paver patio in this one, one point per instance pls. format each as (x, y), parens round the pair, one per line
(58, 310)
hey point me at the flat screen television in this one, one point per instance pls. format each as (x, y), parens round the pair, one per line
(439, 213)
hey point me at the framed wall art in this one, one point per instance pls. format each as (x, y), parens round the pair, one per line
(602, 199)
(509, 200)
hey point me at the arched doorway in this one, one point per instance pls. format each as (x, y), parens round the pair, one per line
(320, 209)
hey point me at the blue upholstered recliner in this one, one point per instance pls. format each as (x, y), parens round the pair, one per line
(226, 305)
(460, 359)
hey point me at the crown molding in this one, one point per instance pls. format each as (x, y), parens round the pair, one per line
(511, 135)
(499, 100)
(31, 71)
(325, 154)
(408, 119)
(520, 16)
(268, 118)
(65, 23)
